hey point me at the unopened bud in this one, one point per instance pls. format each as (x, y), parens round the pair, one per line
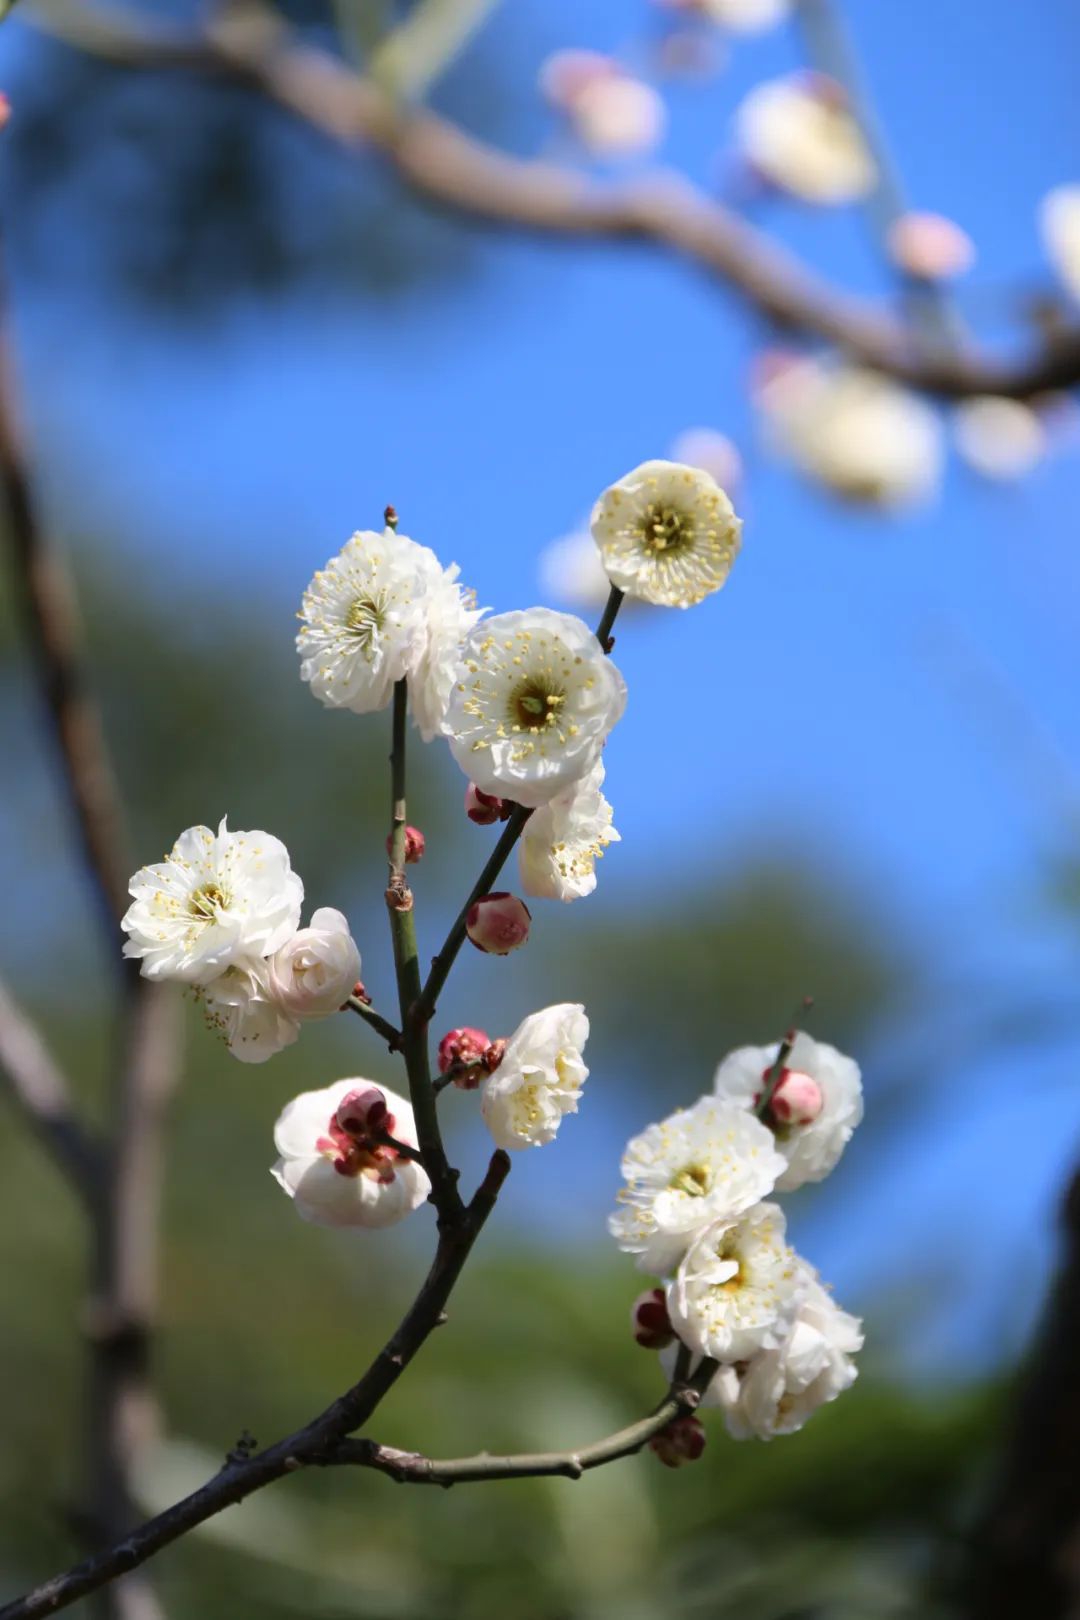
(797, 1099)
(362, 1112)
(498, 923)
(650, 1321)
(465, 1046)
(484, 808)
(360, 993)
(494, 1055)
(930, 246)
(414, 845)
(681, 1442)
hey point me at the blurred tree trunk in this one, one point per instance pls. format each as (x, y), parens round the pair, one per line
(1024, 1560)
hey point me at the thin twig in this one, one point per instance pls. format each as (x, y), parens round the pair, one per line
(450, 167)
(382, 1025)
(411, 1468)
(240, 1478)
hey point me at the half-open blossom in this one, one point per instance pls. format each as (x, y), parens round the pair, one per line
(539, 1078)
(736, 1287)
(930, 246)
(240, 1005)
(810, 1149)
(683, 1441)
(1000, 438)
(854, 431)
(666, 533)
(798, 132)
(498, 923)
(779, 1388)
(216, 899)
(703, 1164)
(1059, 219)
(533, 703)
(563, 840)
(313, 973)
(339, 1176)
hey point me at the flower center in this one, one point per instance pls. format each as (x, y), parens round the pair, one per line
(353, 1154)
(366, 617)
(207, 900)
(693, 1180)
(535, 704)
(665, 528)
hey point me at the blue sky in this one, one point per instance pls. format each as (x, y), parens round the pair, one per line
(895, 697)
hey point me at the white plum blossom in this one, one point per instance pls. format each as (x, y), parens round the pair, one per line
(382, 609)
(930, 245)
(240, 1004)
(666, 533)
(798, 132)
(860, 435)
(563, 840)
(217, 899)
(741, 16)
(782, 1387)
(810, 1150)
(736, 1287)
(313, 973)
(533, 702)
(708, 1163)
(333, 1179)
(538, 1079)
(1059, 219)
(1000, 438)
(450, 613)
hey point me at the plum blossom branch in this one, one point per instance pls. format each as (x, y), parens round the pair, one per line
(381, 1025)
(408, 1467)
(445, 164)
(242, 1476)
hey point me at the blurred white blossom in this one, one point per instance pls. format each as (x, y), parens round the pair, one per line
(930, 245)
(799, 133)
(572, 570)
(533, 702)
(1059, 219)
(1000, 438)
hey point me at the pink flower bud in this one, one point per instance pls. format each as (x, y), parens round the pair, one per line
(566, 73)
(681, 1442)
(498, 923)
(5, 109)
(465, 1046)
(484, 808)
(494, 1055)
(414, 845)
(797, 1099)
(931, 246)
(650, 1321)
(362, 1112)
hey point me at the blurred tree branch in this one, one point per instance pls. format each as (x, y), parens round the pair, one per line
(253, 45)
(41, 1092)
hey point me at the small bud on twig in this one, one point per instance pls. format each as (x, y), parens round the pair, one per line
(498, 923)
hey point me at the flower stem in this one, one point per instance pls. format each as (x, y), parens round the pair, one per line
(608, 617)
(382, 1025)
(414, 1042)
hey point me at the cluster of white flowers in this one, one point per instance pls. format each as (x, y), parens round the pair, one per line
(221, 913)
(695, 1211)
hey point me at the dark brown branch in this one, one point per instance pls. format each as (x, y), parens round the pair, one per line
(409, 1467)
(49, 613)
(445, 164)
(240, 1477)
(40, 1090)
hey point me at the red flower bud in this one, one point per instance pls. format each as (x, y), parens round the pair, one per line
(494, 1056)
(498, 923)
(464, 1046)
(414, 845)
(650, 1321)
(681, 1442)
(484, 808)
(797, 1099)
(362, 1112)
